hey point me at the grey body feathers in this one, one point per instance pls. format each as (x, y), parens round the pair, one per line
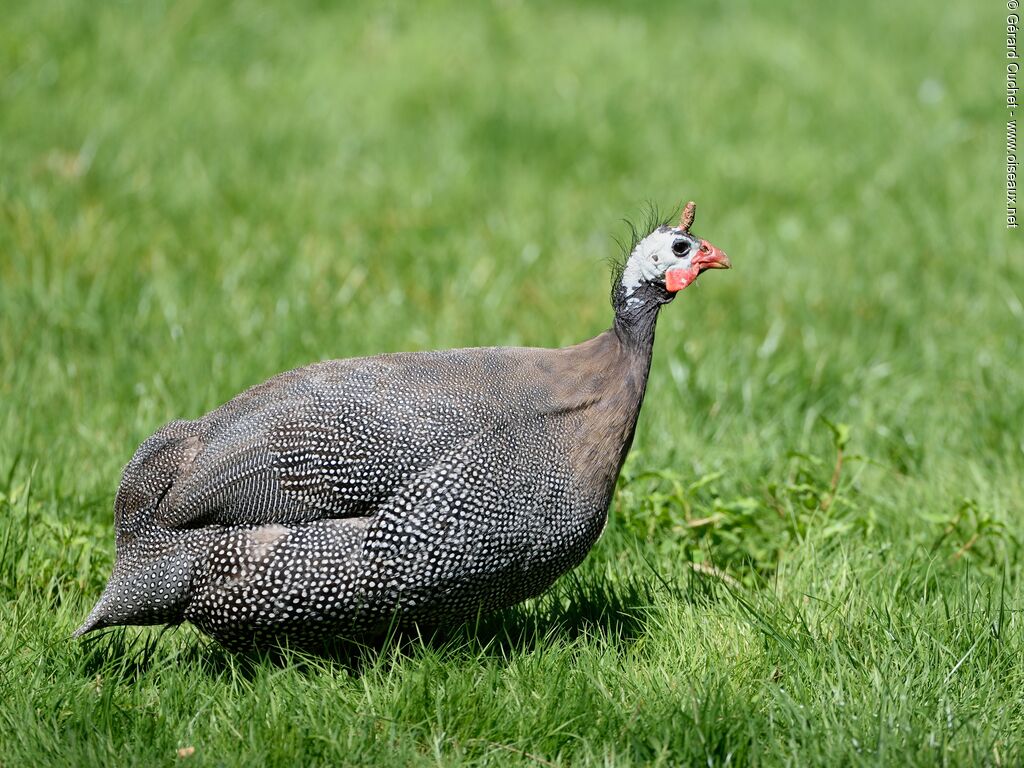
(337, 498)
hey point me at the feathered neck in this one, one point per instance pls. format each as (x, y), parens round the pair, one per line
(637, 314)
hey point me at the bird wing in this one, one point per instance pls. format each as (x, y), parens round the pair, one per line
(332, 440)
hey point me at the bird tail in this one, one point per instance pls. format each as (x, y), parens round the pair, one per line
(97, 619)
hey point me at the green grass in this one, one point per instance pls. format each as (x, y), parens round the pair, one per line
(195, 196)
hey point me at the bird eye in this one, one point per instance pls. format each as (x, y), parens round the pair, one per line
(680, 247)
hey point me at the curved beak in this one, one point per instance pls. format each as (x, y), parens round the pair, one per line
(710, 257)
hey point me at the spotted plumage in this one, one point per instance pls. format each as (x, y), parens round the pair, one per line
(343, 497)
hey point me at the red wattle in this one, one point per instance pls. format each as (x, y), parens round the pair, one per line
(677, 279)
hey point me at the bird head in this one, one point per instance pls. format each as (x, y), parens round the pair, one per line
(668, 260)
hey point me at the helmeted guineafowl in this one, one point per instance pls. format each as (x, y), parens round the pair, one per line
(423, 487)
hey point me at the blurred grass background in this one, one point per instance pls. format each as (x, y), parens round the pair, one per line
(194, 197)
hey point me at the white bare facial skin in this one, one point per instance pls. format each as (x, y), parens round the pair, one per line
(652, 257)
